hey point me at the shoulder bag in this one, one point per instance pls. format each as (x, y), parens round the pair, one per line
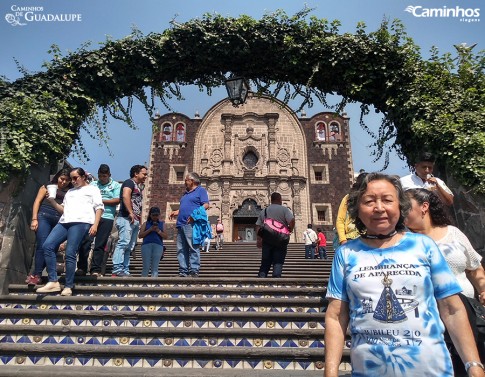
(273, 232)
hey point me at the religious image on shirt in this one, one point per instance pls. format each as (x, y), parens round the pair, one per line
(392, 305)
(388, 308)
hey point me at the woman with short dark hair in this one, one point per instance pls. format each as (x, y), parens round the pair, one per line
(397, 293)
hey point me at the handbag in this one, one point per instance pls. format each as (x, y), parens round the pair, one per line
(273, 232)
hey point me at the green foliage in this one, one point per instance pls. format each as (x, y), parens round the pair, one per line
(437, 103)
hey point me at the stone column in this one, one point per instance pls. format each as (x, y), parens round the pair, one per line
(227, 121)
(272, 160)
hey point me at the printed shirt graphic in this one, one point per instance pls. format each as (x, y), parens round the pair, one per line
(136, 199)
(394, 320)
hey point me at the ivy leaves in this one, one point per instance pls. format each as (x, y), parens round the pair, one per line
(437, 103)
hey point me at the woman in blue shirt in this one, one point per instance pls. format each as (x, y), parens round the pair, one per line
(396, 292)
(152, 248)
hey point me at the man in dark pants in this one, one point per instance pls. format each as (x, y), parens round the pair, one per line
(274, 255)
(110, 193)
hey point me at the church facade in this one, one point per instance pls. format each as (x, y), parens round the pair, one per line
(245, 153)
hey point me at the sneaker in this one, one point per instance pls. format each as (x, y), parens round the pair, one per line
(50, 287)
(194, 274)
(120, 275)
(33, 280)
(182, 275)
(80, 272)
(66, 292)
(95, 274)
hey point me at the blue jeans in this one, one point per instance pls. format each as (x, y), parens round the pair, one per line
(187, 255)
(151, 254)
(47, 219)
(74, 233)
(323, 252)
(127, 233)
(309, 252)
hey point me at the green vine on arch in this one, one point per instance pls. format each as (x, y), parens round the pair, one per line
(437, 102)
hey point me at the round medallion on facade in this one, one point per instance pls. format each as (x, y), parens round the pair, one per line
(283, 157)
(216, 157)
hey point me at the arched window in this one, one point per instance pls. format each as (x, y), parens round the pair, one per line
(320, 131)
(180, 132)
(167, 132)
(335, 132)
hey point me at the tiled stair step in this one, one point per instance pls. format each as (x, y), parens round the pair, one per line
(126, 335)
(222, 319)
(106, 371)
(164, 357)
(213, 304)
(178, 305)
(211, 287)
(250, 358)
(70, 336)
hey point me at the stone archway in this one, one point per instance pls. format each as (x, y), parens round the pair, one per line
(298, 56)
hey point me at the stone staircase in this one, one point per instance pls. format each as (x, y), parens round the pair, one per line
(226, 322)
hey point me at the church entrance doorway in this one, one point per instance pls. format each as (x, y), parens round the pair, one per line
(244, 221)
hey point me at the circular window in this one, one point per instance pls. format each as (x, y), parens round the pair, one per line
(250, 160)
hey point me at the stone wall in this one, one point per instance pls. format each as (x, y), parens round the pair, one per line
(469, 211)
(17, 241)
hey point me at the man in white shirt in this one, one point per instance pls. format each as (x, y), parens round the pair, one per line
(423, 178)
(310, 238)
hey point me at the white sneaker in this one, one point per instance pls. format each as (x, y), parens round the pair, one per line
(50, 287)
(66, 292)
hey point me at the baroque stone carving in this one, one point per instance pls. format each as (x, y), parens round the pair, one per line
(216, 158)
(283, 157)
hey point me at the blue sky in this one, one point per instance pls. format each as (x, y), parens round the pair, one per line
(29, 43)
